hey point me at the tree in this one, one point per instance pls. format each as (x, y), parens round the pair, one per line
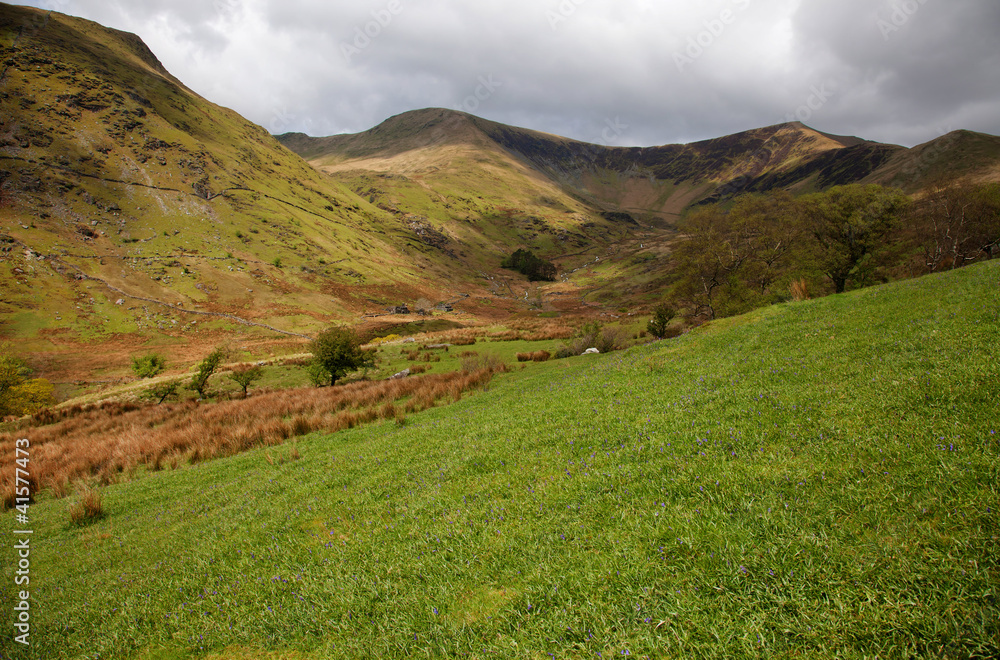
(19, 393)
(662, 316)
(703, 259)
(850, 225)
(199, 382)
(245, 376)
(337, 352)
(147, 366)
(770, 233)
(162, 391)
(526, 263)
(957, 225)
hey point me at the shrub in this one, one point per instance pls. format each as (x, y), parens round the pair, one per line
(19, 393)
(659, 324)
(564, 352)
(147, 366)
(378, 341)
(594, 335)
(490, 362)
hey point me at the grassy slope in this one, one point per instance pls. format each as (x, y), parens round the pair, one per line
(437, 166)
(813, 479)
(99, 139)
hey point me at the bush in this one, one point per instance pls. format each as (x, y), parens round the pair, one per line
(147, 366)
(378, 341)
(594, 335)
(659, 324)
(564, 352)
(493, 363)
(19, 393)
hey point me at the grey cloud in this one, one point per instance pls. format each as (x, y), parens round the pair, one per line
(571, 66)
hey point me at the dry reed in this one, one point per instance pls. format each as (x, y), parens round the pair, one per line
(800, 290)
(107, 442)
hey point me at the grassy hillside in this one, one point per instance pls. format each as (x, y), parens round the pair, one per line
(120, 184)
(438, 170)
(136, 214)
(814, 479)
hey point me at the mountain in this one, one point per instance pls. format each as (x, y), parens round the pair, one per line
(655, 182)
(131, 207)
(136, 214)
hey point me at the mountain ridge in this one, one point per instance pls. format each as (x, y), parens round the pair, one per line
(136, 212)
(788, 155)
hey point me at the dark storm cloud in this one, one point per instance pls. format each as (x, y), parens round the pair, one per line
(625, 72)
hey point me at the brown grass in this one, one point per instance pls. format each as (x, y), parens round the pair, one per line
(88, 508)
(537, 356)
(800, 290)
(534, 330)
(107, 442)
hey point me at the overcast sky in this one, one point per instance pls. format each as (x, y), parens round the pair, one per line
(620, 72)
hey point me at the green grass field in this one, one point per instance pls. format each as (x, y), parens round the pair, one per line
(815, 479)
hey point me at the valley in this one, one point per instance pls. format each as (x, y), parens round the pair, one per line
(797, 456)
(137, 213)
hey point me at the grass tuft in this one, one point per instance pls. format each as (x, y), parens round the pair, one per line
(88, 508)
